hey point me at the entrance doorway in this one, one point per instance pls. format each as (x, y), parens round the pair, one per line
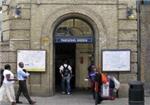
(64, 51)
(73, 40)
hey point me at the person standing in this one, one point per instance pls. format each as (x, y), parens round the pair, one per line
(22, 75)
(66, 74)
(7, 87)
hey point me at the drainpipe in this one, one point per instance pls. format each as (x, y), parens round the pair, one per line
(138, 5)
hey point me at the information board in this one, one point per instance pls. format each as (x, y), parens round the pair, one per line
(34, 60)
(116, 60)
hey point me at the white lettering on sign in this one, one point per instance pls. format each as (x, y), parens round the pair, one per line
(82, 40)
(73, 40)
(68, 40)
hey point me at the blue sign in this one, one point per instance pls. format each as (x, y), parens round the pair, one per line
(73, 39)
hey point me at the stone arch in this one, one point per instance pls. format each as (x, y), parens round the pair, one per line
(79, 11)
(86, 13)
(51, 22)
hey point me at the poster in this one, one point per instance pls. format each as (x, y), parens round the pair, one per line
(116, 60)
(34, 60)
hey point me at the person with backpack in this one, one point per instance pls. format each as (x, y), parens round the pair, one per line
(66, 74)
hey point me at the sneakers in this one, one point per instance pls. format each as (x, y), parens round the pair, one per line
(68, 93)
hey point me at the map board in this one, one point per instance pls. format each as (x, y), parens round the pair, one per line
(34, 60)
(116, 60)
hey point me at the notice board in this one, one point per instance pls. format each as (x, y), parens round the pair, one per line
(34, 60)
(116, 60)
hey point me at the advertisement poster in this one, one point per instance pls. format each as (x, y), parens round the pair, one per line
(34, 60)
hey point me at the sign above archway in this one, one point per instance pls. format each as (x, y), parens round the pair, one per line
(73, 39)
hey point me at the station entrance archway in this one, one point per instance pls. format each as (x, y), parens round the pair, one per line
(74, 41)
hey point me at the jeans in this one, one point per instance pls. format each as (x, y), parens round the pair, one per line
(66, 84)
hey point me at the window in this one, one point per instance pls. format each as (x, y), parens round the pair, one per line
(74, 27)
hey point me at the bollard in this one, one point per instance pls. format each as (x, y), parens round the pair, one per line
(136, 93)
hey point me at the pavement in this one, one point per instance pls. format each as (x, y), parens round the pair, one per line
(75, 99)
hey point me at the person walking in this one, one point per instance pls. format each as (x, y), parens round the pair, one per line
(98, 85)
(66, 74)
(7, 86)
(91, 77)
(22, 75)
(1, 76)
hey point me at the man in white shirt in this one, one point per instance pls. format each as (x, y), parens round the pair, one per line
(22, 75)
(66, 74)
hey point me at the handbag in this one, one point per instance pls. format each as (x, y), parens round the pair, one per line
(117, 83)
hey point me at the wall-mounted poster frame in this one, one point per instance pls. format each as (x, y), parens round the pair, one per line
(116, 60)
(34, 60)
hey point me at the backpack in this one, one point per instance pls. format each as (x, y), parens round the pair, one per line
(66, 71)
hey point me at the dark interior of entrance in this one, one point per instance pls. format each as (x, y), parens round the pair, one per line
(74, 40)
(64, 51)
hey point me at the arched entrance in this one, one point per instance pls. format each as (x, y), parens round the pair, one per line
(50, 25)
(74, 41)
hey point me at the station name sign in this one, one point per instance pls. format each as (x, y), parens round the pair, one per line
(73, 39)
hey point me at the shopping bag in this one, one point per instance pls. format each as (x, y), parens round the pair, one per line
(117, 83)
(105, 90)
